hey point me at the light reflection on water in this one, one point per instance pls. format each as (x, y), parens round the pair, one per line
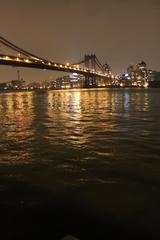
(94, 135)
(92, 150)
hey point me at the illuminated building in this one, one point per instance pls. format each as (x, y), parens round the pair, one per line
(139, 75)
(17, 84)
(73, 80)
(4, 86)
(155, 79)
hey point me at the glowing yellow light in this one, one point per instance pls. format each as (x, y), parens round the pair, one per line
(27, 60)
(146, 85)
(37, 59)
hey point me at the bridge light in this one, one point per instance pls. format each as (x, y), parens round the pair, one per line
(17, 59)
(67, 64)
(61, 66)
(36, 59)
(49, 64)
(7, 58)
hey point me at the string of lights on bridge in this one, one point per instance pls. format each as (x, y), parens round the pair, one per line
(60, 66)
(30, 60)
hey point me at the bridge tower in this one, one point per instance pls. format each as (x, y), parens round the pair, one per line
(90, 63)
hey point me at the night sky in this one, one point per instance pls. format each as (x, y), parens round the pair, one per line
(119, 32)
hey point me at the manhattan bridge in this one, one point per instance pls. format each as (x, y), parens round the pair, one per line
(90, 66)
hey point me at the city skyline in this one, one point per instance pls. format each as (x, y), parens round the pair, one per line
(119, 33)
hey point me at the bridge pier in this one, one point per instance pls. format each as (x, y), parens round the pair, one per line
(90, 81)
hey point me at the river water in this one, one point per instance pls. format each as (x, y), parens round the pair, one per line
(80, 162)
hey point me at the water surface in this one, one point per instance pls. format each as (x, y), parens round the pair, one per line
(87, 159)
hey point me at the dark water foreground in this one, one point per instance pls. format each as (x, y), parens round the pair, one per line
(84, 163)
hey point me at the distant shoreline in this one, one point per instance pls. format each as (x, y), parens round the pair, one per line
(60, 89)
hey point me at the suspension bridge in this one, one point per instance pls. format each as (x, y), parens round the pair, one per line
(90, 66)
